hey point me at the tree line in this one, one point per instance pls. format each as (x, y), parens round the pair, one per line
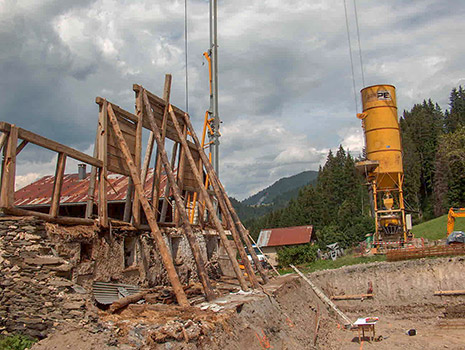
(338, 206)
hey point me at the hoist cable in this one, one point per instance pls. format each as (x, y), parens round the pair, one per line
(359, 45)
(351, 59)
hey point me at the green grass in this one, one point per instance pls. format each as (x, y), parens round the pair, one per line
(16, 342)
(436, 229)
(330, 264)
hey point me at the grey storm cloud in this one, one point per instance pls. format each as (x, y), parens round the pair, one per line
(285, 81)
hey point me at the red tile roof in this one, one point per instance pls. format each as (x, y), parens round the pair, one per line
(285, 236)
(75, 191)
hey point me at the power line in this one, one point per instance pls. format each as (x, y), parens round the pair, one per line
(185, 52)
(359, 46)
(351, 59)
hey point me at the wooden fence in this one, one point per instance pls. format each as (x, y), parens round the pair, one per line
(417, 253)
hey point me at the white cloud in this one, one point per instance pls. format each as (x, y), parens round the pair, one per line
(285, 83)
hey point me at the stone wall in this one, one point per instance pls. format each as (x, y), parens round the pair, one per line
(47, 271)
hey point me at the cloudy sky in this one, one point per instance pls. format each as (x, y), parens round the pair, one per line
(285, 81)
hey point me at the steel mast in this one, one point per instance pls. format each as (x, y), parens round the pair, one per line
(215, 134)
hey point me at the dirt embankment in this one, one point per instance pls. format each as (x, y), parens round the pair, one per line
(284, 315)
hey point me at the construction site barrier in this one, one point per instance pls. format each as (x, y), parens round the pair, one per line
(417, 253)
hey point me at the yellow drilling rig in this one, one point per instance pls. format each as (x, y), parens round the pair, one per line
(383, 165)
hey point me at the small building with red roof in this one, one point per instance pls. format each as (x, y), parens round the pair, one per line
(271, 239)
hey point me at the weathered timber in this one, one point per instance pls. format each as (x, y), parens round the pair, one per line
(103, 157)
(128, 201)
(203, 276)
(7, 195)
(3, 139)
(220, 195)
(158, 165)
(351, 297)
(63, 220)
(236, 221)
(92, 181)
(130, 299)
(209, 204)
(56, 194)
(164, 206)
(137, 161)
(21, 146)
(322, 296)
(156, 233)
(449, 292)
(51, 145)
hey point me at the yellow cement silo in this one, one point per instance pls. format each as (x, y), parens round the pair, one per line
(383, 165)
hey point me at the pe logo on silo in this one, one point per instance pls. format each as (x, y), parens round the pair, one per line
(384, 95)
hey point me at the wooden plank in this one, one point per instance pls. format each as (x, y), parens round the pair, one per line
(322, 296)
(52, 145)
(117, 109)
(130, 140)
(21, 147)
(189, 233)
(103, 157)
(351, 297)
(212, 210)
(117, 165)
(7, 195)
(163, 249)
(56, 194)
(449, 292)
(64, 220)
(164, 207)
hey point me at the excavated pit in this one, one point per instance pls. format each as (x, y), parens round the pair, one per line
(284, 315)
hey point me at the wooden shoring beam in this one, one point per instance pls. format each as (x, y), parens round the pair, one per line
(242, 231)
(180, 174)
(166, 193)
(137, 162)
(128, 200)
(57, 185)
(3, 139)
(103, 157)
(211, 208)
(21, 146)
(158, 165)
(156, 233)
(7, 195)
(203, 276)
(219, 196)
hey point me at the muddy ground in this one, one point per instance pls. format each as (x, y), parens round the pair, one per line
(284, 314)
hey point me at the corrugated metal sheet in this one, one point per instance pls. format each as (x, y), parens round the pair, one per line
(285, 236)
(75, 190)
(107, 293)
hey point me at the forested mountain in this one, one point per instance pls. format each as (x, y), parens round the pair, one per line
(273, 197)
(286, 185)
(434, 179)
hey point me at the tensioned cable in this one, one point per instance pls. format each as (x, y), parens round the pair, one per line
(359, 46)
(185, 52)
(351, 59)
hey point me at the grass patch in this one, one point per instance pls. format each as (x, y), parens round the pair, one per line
(436, 229)
(16, 342)
(330, 264)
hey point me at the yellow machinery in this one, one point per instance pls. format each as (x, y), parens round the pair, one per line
(383, 165)
(454, 213)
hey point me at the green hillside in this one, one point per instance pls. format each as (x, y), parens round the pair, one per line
(436, 228)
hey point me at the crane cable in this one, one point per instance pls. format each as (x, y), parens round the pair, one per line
(185, 52)
(351, 58)
(359, 46)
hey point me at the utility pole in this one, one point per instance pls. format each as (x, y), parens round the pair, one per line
(215, 134)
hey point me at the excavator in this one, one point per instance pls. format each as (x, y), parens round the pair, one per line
(454, 213)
